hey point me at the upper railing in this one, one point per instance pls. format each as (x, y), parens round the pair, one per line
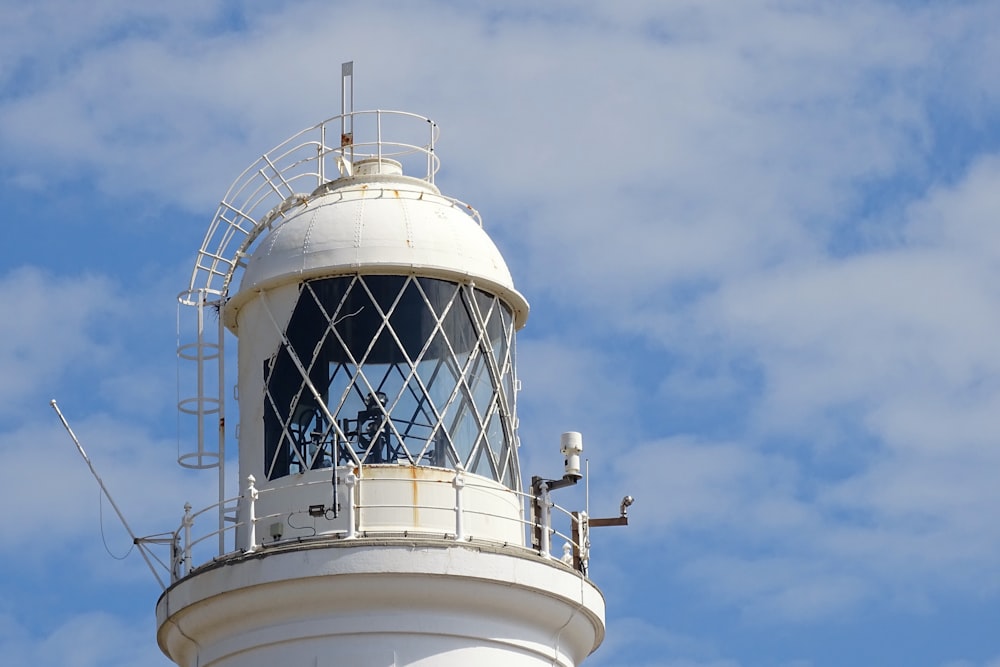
(289, 173)
(192, 544)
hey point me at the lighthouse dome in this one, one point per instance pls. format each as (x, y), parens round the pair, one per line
(377, 221)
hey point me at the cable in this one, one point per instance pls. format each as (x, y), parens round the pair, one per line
(100, 512)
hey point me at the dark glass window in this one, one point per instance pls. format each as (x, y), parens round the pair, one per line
(406, 369)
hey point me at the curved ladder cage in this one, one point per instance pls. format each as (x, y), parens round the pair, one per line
(287, 175)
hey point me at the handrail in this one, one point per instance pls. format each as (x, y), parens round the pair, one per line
(254, 200)
(183, 541)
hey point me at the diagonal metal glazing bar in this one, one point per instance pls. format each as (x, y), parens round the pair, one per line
(509, 398)
(435, 418)
(321, 342)
(317, 353)
(491, 364)
(438, 328)
(358, 372)
(422, 399)
(457, 371)
(462, 371)
(305, 377)
(284, 434)
(286, 425)
(462, 378)
(332, 321)
(469, 406)
(483, 349)
(402, 348)
(420, 423)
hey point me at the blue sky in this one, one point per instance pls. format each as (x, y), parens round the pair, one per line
(760, 242)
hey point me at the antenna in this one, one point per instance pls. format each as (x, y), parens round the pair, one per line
(93, 471)
(347, 108)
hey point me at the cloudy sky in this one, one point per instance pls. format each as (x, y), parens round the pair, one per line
(761, 244)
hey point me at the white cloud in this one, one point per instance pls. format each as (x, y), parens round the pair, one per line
(49, 323)
(64, 499)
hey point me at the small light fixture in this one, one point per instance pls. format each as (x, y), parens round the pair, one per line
(317, 510)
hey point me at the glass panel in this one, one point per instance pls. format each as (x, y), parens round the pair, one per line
(408, 368)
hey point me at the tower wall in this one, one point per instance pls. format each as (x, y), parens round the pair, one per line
(383, 604)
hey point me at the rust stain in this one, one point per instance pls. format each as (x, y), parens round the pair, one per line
(415, 491)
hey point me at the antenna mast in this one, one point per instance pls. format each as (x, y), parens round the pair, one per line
(347, 110)
(100, 482)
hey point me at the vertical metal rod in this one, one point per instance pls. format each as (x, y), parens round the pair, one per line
(546, 520)
(187, 522)
(347, 109)
(459, 484)
(321, 156)
(222, 432)
(252, 495)
(351, 481)
(430, 153)
(200, 361)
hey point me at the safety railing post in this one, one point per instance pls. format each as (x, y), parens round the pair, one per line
(378, 137)
(187, 522)
(459, 483)
(351, 480)
(252, 495)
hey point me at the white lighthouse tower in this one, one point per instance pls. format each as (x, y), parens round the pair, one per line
(381, 519)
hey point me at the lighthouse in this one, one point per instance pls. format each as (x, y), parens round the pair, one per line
(381, 519)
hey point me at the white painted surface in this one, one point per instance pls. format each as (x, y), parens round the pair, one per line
(381, 604)
(376, 223)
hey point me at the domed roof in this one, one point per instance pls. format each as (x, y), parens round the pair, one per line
(378, 223)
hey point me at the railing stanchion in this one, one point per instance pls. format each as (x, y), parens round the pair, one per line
(187, 522)
(459, 483)
(351, 480)
(252, 494)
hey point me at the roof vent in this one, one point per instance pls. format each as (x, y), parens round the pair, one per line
(374, 165)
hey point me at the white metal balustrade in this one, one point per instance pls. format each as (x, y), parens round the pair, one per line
(190, 545)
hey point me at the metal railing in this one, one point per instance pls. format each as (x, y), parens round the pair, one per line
(189, 548)
(285, 176)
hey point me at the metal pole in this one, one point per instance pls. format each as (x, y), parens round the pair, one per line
(104, 490)
(545, 519)
(93, 471)
(252, 495)
(187, 522)
(222, 433)
(351, 481)
(459, 484)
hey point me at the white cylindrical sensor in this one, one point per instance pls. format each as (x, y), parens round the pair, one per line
(571, 445)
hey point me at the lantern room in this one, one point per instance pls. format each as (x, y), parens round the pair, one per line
(376, 322)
